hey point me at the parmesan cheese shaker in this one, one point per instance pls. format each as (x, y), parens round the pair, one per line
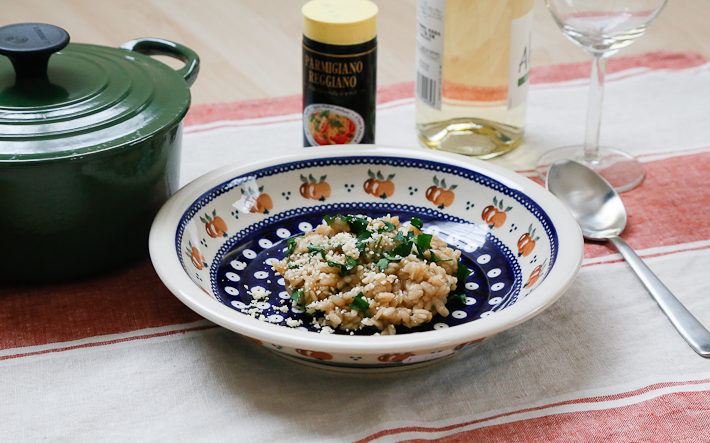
(339, 72)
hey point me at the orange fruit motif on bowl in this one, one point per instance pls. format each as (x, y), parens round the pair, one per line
(394, 358)
(315, 354)
(197, 259)
(378, 185)
(255, 340)
(441, 195)
(313, 189)
(494, 215)
(261, 202)
(526, 242)
(535, 275)
(468, 343)
(214, 225)
(263, 205)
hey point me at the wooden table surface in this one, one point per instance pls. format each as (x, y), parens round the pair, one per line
(250, 49)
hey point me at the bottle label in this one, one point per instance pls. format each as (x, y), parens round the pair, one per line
(339, 93)
(519, 68)
(430, 51)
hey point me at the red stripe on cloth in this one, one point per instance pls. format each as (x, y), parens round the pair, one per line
(109, 342)
(591, 400)
(293, 104)
(668, 208)
(128, 300)
(676, 417)
(651, 60)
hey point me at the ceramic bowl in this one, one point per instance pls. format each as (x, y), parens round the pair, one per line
(214, 241)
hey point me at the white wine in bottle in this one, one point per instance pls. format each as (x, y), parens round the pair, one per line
(473, 61)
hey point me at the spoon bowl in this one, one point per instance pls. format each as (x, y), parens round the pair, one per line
(602, 216)
(589, 197)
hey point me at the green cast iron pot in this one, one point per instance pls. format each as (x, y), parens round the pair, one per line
(90, 141)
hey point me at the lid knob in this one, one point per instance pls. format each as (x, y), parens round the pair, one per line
(29, 46)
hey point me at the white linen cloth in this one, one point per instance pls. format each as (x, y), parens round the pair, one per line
(602, 364)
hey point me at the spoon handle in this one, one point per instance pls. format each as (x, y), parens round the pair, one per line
(689, 327)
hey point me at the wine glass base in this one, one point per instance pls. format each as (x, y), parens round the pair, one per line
(620, 169)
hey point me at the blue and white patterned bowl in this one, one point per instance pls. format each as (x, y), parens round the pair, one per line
(214, 241)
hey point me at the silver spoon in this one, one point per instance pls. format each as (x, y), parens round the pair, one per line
(602, 216)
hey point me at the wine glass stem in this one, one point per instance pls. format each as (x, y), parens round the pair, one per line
(594, 109)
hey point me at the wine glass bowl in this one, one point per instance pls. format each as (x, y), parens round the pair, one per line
(602, 28)
(604, 25)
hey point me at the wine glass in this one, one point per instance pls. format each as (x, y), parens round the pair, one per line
(601, 27)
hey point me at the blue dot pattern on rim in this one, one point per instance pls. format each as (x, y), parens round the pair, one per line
(246, 263)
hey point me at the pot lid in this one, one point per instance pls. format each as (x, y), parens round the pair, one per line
(63, 100)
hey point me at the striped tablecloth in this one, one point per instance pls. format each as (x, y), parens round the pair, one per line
(118, 358)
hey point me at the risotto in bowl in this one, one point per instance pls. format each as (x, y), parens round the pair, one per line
(370, 258)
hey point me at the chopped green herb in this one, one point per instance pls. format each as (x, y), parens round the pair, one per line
(350, 264)
(462, 273)
(334, 122)
(388, 227)
(361, 245)
(423, 242)
(379, 242)
(312, 249)
(383, 264)
(358, 225)
(328, 219)
(460, 297)
(434, 259)
(417, 223)
(403, 250)
(364, 236)
(297, 296)
(360, 304)
(345, 268)
(291, 243)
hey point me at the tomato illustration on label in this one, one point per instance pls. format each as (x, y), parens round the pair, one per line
(441, 195)
(494, 215)
(314, 189)
(378, 185)
(214, 225)
(526, 242)
(326, 124)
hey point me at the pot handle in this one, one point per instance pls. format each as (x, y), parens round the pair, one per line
(157, 46)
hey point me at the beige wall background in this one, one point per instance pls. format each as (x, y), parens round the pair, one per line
(251, 49)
